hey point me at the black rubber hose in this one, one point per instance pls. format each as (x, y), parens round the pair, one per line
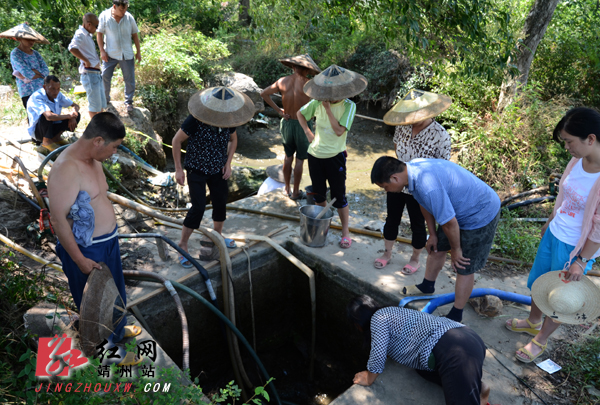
(47, 159)
(23, 196)
(182, 252)
(184, 324)
(528, 202)
(235, 330)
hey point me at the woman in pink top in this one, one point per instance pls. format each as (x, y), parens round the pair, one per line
(571, 236)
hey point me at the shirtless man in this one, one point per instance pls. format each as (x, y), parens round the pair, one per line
(293, 98)
(77, 177)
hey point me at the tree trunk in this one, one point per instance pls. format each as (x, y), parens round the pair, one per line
(244, 15)
(533, 31)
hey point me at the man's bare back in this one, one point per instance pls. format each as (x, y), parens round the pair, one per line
(291, 89)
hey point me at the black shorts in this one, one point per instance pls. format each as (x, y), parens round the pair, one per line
(333, 171)
(475, 243)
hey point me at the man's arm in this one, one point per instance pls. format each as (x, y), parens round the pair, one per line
(50, 116)
(266, 95)
(231, 147)
(136, 41)
(365, 378)
(431, 245)
(77, 53)
(63, 188)
(178, 139)
(309, 134)
(335, 125)
(452, 231)
(100, 39)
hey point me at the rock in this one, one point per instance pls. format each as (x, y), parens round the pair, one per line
(6, 93)
(593, 391)
(242, 83)
(245, 181)
(139, 120)
(488, 305)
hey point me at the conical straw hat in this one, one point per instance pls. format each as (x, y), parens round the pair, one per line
(276, 173)
(335, 83)
(417, 106)
(99, 304)
(573, 302)
(24, 31)
(303, 61)
(221, 107)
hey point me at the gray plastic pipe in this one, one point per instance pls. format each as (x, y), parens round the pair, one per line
(185, 336)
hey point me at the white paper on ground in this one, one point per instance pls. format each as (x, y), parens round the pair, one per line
(549, 366)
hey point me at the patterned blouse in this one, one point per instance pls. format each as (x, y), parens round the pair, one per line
(406, 336)
(433, 142)
(24, 63)
(207, 146)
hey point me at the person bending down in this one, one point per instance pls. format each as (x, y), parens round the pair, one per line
(442, 351)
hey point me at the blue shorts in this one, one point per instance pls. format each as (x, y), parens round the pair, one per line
(552, 255)
(94, 88)
(105, 249)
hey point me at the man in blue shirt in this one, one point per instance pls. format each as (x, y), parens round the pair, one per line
(466, 209)
(46, 120)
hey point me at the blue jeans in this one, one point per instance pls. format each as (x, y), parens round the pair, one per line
(94, 89)
(128, 69)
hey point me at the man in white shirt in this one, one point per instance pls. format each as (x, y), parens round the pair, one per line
(116, 29)
(83, 47)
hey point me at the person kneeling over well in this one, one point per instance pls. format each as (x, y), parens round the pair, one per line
(440, 350)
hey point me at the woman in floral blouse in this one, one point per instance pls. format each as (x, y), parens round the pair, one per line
(417, 135)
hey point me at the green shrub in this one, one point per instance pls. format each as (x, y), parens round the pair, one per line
(178, 60)
(517, 240)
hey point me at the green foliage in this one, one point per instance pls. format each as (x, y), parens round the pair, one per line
(583, 367)
(517, 240)
(134, 142)
(173, 60)
(567, 61)
(514, 148)
(13, 112)
(115, 170)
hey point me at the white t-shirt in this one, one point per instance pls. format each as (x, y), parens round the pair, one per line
(566, 225)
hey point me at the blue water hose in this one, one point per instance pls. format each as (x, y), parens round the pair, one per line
(443, 299)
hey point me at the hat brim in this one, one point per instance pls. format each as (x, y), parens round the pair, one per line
(276, 173)
(18, 32)
(541, 288)
(408, 118)
(96, 321)
(221, 119)
(291, 65)
(334, 93)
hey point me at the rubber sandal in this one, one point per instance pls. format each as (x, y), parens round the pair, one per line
(300, 196)
(185, 263)
(532, 330)
(132, 331)
(131, 359)
(530, 357)
(411, 269)
(230, 243)
(412, 290)
(345, 242)
(63, 142)
(382, 262)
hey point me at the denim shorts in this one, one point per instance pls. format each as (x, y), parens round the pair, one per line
(552, 255)
(92, 83)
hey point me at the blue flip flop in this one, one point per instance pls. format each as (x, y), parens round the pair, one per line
(185, 263)
(230, 243)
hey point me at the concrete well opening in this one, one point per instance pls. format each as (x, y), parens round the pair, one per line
(282, 327)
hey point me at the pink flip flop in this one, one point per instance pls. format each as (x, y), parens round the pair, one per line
(411, 269)
(345, 243)
(382, 262)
